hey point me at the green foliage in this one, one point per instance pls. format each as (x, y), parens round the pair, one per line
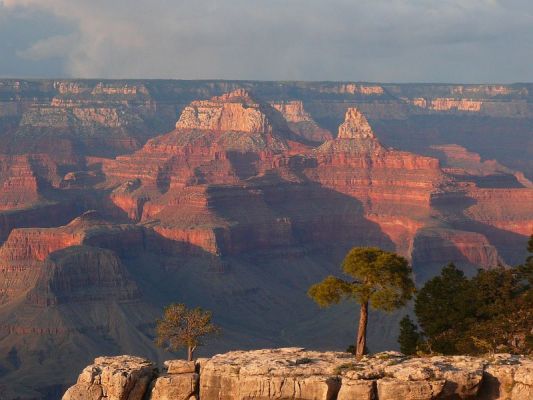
(443, 308)
(503, 301)
(183, 327)
(409, 338)
(490, 312)
(527, 268)
(381, 278)
(330, 291)
(378, 278)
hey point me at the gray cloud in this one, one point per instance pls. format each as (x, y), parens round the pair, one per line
(373, 40)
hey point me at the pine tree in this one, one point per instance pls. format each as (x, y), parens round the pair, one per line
(409, 337)
(444, 309)
(378, 278)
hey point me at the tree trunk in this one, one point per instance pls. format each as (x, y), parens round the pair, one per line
(360, 345)
(190, 352)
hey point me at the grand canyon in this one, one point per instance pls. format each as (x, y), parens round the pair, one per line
(119, 197)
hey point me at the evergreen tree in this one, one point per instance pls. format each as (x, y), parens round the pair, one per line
(503, 312)
(409, 337)
(444, 309)
(488, 313)
(378, 278)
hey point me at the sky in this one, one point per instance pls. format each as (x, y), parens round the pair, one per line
(461, 41)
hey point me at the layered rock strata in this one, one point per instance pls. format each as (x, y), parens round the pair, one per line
(234, 140)
(244, 204)
(296, 373)
(58, 265)
(24, 179)
(301, 123)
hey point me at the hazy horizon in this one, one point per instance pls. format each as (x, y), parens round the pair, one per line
(134, 79)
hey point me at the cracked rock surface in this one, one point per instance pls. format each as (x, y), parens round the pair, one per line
(297, 373)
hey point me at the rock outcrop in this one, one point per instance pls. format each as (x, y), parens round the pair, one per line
(296, 373)
(25, 179)
(301, 123)
(355, 126)
(235, 111)
(90, 228)
(447, 104)
(76, 262)
(468, 166)
(113, 378)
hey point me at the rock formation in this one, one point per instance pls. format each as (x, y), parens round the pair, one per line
(296, 373)
(55, 265)
(447, 104)
(117, 378)
(301, 123)
(245, 202)
(467, 165)
(232, 138)
(24, 180)
(235, 111)
(355, 126)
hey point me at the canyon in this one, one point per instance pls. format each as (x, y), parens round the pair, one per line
(119, 197)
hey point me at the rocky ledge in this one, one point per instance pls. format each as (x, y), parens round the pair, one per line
(295, 373)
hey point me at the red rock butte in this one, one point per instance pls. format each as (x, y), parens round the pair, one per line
(246, 200)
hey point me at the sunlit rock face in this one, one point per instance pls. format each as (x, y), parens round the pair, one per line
(234, 111)
(355, 126)
(176, 175)
(297, 373)
(255, 191)
(301, 123)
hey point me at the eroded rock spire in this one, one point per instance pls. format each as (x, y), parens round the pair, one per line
(355, 126)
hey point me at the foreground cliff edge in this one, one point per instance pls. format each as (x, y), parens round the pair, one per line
(296, 373)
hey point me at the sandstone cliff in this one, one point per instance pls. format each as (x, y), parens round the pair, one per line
(235, 111)
(237, 209)
(25, 179)
(355, 126)
(301, 123)
(233, 139)
(296, 373)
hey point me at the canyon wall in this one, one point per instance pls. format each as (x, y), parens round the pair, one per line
(256, 191)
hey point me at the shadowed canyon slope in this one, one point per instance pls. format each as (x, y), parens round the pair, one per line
(255, 191)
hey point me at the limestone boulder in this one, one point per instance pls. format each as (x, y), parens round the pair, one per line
(180, 366)
(180, 386)
(291, 373)
(357, 389)
(462, 376)
(394, 389)
(113, 378)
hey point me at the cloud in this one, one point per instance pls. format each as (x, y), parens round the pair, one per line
(377, 40)
(53, 46)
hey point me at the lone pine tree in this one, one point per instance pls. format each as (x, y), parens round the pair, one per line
(379, 278)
